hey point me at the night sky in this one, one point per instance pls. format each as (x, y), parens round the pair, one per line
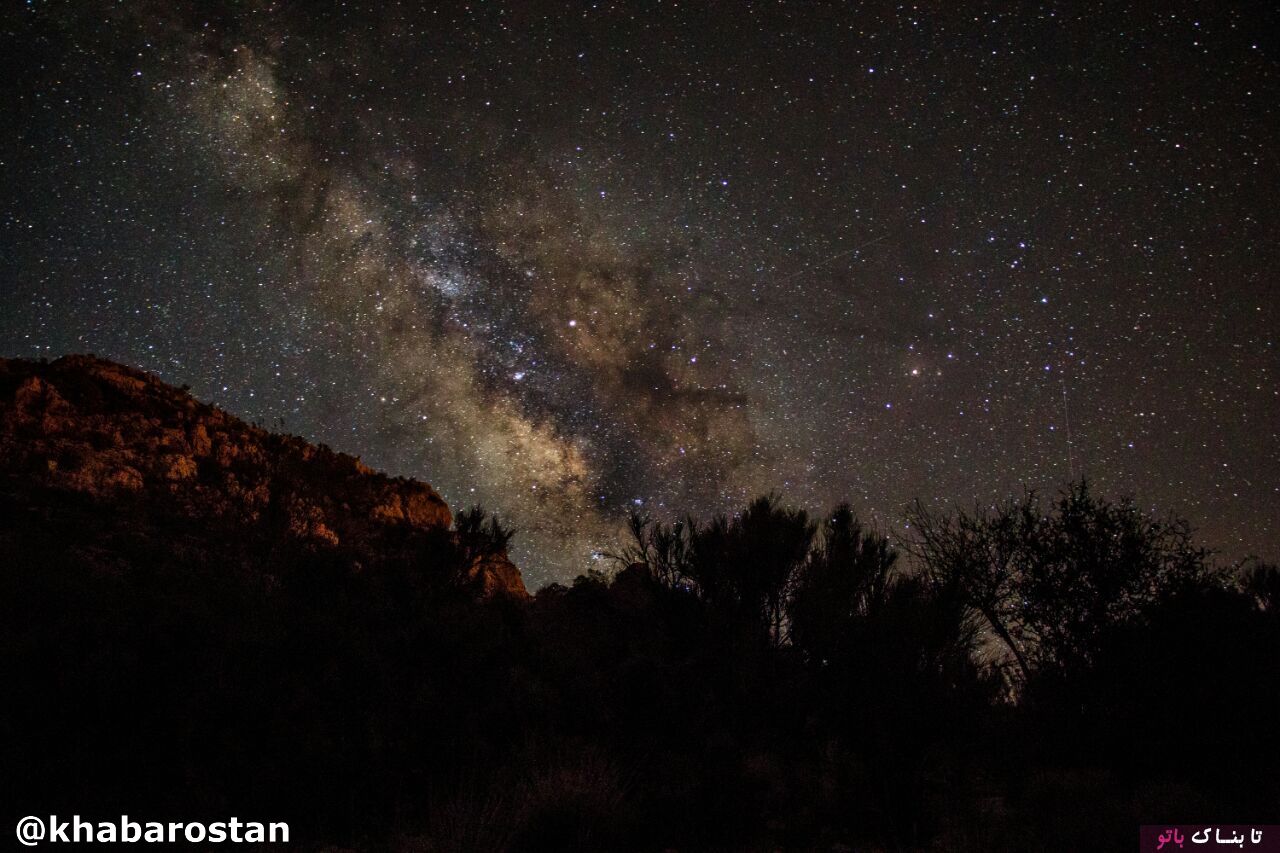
(572, 259)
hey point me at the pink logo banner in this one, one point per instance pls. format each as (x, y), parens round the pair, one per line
(1168, 837)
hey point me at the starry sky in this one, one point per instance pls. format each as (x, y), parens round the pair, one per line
(571, 259)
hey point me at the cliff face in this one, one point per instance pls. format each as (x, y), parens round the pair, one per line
(145, 456)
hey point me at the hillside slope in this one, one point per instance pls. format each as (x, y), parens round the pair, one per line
(111, 467)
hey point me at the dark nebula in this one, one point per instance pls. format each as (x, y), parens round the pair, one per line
(570, 259)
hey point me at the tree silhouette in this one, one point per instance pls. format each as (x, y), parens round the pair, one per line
(481, 534)
(1261, 581)
(1048, 580)
(845, 579)
(742, 566)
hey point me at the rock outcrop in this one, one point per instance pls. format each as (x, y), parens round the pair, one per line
(145, 453)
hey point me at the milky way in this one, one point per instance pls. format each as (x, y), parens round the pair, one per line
(568, 260)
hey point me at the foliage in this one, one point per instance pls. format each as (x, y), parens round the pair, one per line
(481, 534)
(755, 682)
(1047, 581)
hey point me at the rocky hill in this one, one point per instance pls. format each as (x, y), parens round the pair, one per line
(104, 461)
